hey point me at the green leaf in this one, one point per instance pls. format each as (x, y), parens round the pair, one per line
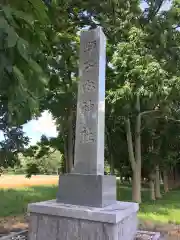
(22, 47)
(2, 37)
(11, 38)
(18, 74)
(24, 16)
(35, 66)
(43, 80)
(3, 23)
(8, 13)
(41, 10)
(4, 63)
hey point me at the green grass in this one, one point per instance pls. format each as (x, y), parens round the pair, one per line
(14, 202)
(165, 210)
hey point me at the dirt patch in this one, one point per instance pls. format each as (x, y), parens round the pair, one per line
(13, 223)
(168, 230)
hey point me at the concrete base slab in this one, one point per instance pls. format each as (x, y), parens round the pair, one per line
(53, 221)
(87, 190)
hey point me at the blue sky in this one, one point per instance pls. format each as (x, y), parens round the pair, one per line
(45, 124)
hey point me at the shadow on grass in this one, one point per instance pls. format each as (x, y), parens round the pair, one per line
(15, 201)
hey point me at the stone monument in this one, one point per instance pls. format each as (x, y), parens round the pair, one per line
(86, 206)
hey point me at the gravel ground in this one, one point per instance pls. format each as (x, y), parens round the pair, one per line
(145, 235)
(141, 235)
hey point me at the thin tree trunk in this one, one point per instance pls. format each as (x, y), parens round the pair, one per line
(152, 187)
(112, 164)
(70, 141)
(130, 144)
(66, 164)
(176, 178)
(136, 179)
(110, 150)
(136, 186)
(157, 183)
(66, 157)
(170, 179)
(152, 190)
(138, 148)
(165, 181)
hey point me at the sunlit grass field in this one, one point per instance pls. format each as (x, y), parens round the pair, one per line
(17, 191)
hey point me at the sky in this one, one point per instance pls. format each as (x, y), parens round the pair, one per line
(166, 5)
(45, 124)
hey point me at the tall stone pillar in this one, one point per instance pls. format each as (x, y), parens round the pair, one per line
(86, 206)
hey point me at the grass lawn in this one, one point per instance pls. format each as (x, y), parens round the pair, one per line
(165, 210)
(13, 201)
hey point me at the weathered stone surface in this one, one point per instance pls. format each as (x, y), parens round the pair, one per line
(65, 228)
(125, 229)
(87, 190)
(68, 229)
(89, 144)
(114, 213)
(87, 184)
(90, 230)
(33, 227)
(47, 227)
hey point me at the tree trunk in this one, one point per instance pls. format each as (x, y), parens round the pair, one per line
(152, 186)
(65, 141)
(136, 186)
(152, 190)
(177, 177)
(157, 183)
(136, 166)
(112, 164)
(138, 148)
(110, 150)
(170, 179)
(130, 144)
(66, 163)
(165, 181)
(70, 142)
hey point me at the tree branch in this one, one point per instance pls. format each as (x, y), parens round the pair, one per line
(148, 112)
(168, 119)
(153, 10)
(174, 120)
(51, 152)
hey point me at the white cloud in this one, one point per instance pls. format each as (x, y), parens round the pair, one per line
(44, 125)
(34, 129)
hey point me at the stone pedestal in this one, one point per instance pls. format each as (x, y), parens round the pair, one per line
(87, 190)
(54, 221)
